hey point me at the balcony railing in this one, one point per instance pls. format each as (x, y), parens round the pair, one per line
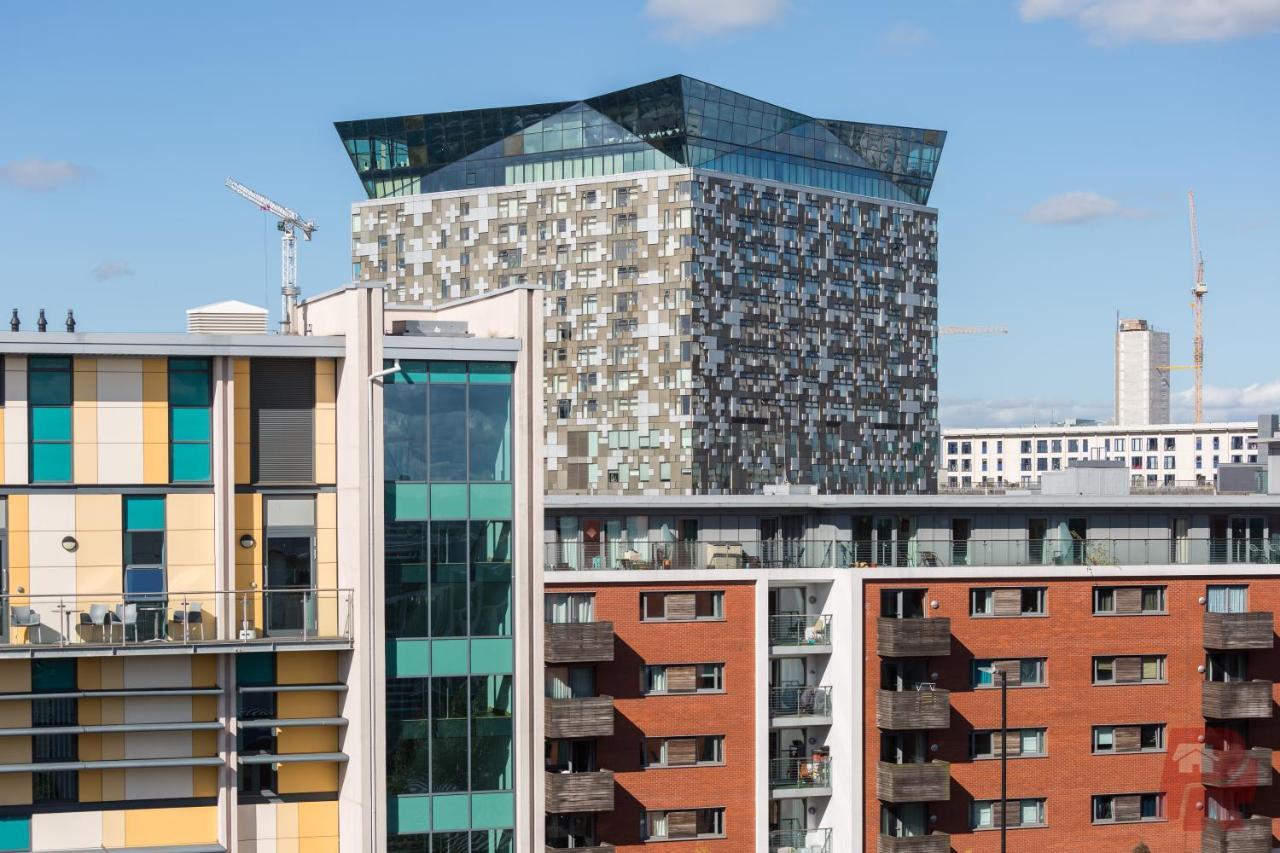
(577, 642)
(913, 638)
(800, 773)
(590, 716)
(568, 793)
(800, 841)
(1239, 631)
(1248, 835)
(580, 848)
(911, 710)
(1236, 768)
(928, 781)
(1236, 700)
(1055, 550)
(176, 618)
(787, 702)
(934, 842)
(813, 629)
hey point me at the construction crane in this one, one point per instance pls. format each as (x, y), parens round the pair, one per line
(973, 330)
(1198, 290)
(289, 222)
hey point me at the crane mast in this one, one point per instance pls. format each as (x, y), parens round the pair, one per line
(289, 222)
(1197, 306)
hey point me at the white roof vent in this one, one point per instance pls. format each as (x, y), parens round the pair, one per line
(227, 318)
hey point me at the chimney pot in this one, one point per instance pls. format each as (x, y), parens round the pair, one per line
(71, 321)
(41, 323)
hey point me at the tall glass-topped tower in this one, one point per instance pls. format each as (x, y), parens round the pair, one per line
(739, 295)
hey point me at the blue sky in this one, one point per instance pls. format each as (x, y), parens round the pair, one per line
(1075, 129)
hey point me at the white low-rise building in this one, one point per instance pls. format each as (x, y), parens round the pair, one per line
(1158, 455)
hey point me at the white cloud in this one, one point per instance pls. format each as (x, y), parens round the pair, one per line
(1077, 208)
(40, 176)
(1016, 411)
(904, 37)
(1111, 21)
(687, 18)
(112, 269)
(1230, 404)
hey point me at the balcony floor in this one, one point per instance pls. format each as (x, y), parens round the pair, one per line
(797, 793)
(24, 651)
(792, 722)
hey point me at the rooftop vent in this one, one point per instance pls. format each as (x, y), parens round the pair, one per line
(227, 318)
(429, 328)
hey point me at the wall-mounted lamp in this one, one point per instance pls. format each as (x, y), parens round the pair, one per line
(69, 543)
(934, 604)
(812, 810)
(813, 599)
(1200, 599)
(247, 541)
(1200, 668)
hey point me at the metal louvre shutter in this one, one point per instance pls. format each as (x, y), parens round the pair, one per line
(1126, 808)
(681, 679)
(682, 824)
(1012, 670)
(282, 401)
(681, 605)
(1127, 739)
(682, 751)
(1008, 602)
(1128, 599)
(1128, 670)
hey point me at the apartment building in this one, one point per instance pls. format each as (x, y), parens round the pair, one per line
(877, 630)
(1142, 374)
(1158, 456)
(200, 649)
(738, 295)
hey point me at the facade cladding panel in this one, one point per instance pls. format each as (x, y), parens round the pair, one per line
(738, 295)
(729, 786)
(1070, 774)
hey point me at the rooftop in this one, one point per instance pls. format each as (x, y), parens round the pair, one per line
(675, 122)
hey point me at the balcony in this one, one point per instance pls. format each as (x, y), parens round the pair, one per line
(719, 555)
(934, 842)
(175, 621)
(568, 793)
(1250, 835)
(590, 716)
(578, 642)
(913, 783)
(800, 841)
(1238, 631)
(1236, 768)
(907, 710)
(594, 848)
(913, 638)
(800, 634)
(799, 706)
(1236, 700)
(800, 777)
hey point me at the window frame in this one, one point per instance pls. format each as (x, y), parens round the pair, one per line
(1162, 660)
(698, 675)
(993, 805)
(699, 814)
(1159, 804)
(700, 742)
(1042, 734)
(975, 667)
(1096, 729)
(1162, 592)
(715, 594)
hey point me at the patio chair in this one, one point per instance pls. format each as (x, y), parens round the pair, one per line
(192, 615)
(24, 617)
(99, 616)
(127, 617)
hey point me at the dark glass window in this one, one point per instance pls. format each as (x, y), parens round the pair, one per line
(448, 432)
(449, 542)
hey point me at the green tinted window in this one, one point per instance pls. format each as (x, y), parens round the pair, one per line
(190, 420)
(49, 395)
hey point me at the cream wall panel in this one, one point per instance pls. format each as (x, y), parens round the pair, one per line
(15, 420)
(161, 671)
(113, 829)
(257, 821)
(99, 557)
(120, 443)
(99, 512)
(53, 568)
(119, 382)
(189, 512)
(66, 831)
(157, 783)
(52, 513)
(157, 744)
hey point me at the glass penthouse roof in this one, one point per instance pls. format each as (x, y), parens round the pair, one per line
(667, 124)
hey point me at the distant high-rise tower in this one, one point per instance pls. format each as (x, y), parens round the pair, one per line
(1142, 377)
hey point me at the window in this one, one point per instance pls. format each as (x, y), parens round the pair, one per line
(985, 814)
(569, 682)
(144, 567)
(1130, 669)
(1022, 743)
(682, 678)
(692, 823)
(1217, 442)
(902, 603)
(54, 786)
(1026, 446)
(682, 751)
(570, 608)
(1237, 442)
(1007, 601)
(49, 398)
(1227, 599)
(1170, 462)
(1145, 737)
(1170, 443)
(681, 606)
(1023, 672)
(1042, 445)
(1127, 808)
(190, 420)
(1128, 600)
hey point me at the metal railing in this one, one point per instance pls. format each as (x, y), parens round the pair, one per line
(1052, 550)
(812, 772)
(175, 617)
(811, 629)
(800, 702)
(800, 841)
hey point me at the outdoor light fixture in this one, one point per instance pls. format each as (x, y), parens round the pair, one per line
(247, 541)
(69, 543)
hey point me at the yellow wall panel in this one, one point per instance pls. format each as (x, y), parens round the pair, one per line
(326, 421)
(326, 844)
(240, 376)
(15, 750)
(89, 711)
(2, 454)
(19, 550)
(84, 420)
(15, 715)
(166, 827)
(15, 676)
(112, 745)
(286, 820)
(307, 668)
(15, 789)
(113, 829)
(204, 781)
(298, 739)
(310, 777)
(112, 674)
(204, 743)
(204, 708)
(204, 673)
(99, 513)
(90, 744)
(249, 560)
(88, 675)
(155, 420)
(318, 819)
(297, 706)
(113, 790)
(189, 512)
(90, 784)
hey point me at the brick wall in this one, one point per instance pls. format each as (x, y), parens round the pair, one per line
(1069, 636)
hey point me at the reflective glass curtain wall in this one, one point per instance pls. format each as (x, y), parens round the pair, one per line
(448, 575)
